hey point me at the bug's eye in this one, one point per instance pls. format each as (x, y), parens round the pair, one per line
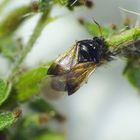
(84, 55)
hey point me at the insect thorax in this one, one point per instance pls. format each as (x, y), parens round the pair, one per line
(91, 50)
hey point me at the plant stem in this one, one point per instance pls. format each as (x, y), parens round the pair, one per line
(118, 42)
(36, 33)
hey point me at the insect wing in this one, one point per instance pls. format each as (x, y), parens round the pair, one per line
(64, 62)
(54, 87)
(78, 76)
(58, 86)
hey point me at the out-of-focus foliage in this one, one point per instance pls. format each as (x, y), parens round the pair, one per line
(25, 84)
(61, 2)
(11, 22)
(28, 84)
(50, 136)
(45, 4)
(9, 48)
(34, 126)
(40, 105)
(132, 71)
(5, 88)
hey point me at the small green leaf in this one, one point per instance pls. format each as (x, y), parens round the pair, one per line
(28, 83)
(7, 119)
(94, 30)
(5, 89)
(50, 136)
(132, 71)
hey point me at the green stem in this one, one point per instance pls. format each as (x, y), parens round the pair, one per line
(36, 33)
(117, 42)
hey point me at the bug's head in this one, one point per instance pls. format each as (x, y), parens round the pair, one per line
(90, 50)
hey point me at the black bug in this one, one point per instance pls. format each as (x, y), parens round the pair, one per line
(72, 69)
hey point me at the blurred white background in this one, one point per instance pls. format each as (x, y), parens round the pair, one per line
(107, 107)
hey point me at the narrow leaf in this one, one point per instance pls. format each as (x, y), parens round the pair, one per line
(13, 20)
(5, 89)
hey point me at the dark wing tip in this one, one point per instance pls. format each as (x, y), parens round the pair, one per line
(71, 92)
(70, 86)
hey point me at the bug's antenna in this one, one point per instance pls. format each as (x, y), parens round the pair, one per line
(100, 28)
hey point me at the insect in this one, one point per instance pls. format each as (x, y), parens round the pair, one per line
(72, 69)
